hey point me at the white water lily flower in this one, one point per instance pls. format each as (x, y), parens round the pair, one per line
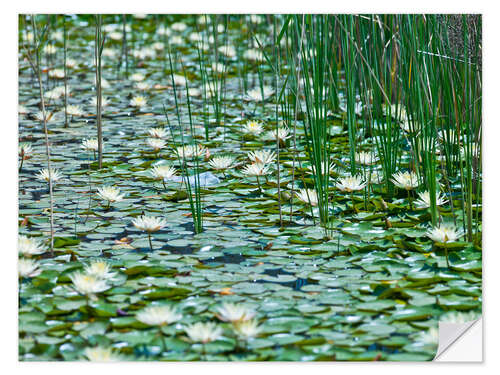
(52, 95)
(405, 180)
(195, 37)
(444, 233)
(115, 35)
(142, 86)
(29, 37)
(162, 30)
(282, 133)
(262, 156)
(161, 172)
(189, 151)
(176, 40)
(308, 196)
(49, 49)
(259, 95)
(144, 53)
(100, 269)
(366, 158)
(108, 52)
(155, 143)
(424, 200)
(179, 80)
(138, 101)
(253, 54)
(30, 246)
(158, 46)
(110, 194)
(137, 77)
(91, 144)
(228, 51)
(203, 332)
(100, 354)
(88, 284)
(56, 73)
(256, 169)
(221, 162)
(57, 35)
(218, 67)
(255, 18)
(178, 26)
(149, 223)
(247, 329)
(429, 337)
(74, 110)
(22, 109)
(158, 315)
(43, 175)
(350, 184)
(28, 268)
(230, 312)
(253, 127)
(25, 151)
(157, 132)
(70, 63)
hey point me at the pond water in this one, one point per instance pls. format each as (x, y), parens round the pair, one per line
(368, 291)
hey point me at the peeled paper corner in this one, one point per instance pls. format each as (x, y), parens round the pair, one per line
(460, 342)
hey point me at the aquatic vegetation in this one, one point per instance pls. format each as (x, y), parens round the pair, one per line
(289, 149)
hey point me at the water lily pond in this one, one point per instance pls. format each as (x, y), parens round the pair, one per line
(224, 221)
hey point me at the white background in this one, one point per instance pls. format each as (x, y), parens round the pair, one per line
(8, 183)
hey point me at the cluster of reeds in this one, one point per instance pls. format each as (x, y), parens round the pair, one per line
(405, 85)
